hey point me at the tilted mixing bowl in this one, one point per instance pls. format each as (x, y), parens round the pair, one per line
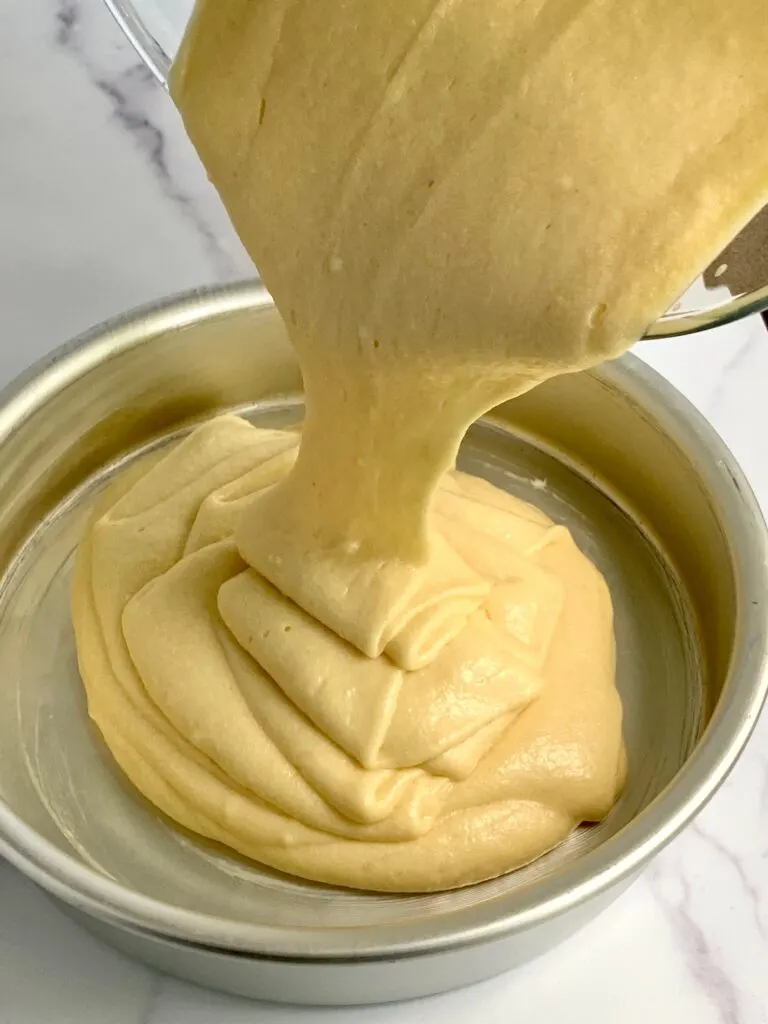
(733, 286)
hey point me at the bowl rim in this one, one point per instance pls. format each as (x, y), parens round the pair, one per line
(614, 861)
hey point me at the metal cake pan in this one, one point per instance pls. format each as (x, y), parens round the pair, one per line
(650, 493)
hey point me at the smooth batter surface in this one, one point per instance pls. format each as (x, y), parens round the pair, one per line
(352, 664)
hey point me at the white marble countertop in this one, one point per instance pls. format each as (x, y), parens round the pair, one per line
(102, 207)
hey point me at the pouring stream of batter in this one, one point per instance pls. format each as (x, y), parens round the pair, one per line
(340, 657)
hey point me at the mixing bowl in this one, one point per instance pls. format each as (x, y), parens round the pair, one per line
(647, 488)
(734, 285)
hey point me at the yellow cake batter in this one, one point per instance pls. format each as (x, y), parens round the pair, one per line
(343, 659)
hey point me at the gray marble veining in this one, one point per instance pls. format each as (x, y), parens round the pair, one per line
(135, 98)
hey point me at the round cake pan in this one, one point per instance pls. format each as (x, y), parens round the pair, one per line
(648, 490)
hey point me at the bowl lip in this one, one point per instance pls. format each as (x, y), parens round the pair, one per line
(614, 861)
(142, 40)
